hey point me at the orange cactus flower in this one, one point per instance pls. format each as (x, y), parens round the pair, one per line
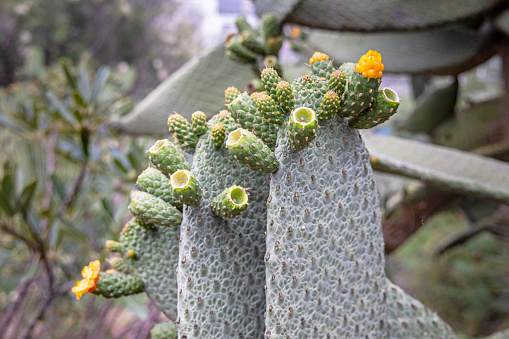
(318, 56)
(370, 65)
(90, 275)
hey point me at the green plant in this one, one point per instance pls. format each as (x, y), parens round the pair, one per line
(321, 259)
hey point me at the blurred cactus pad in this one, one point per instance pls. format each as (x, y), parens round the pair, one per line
(275, 230)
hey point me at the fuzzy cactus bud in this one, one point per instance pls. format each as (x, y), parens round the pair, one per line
(386, 105)
(112, 246)
(167, 157)
(329, 107)
(249, 150)
(199, 122)
(230, 94)
(337, 82)
(285, 96)
(230, 203)
(321, 65)
(269, 108)
(182, 130)
(156, 183)
(270, 79)
(151, 211)
(186, 187)
(301, 127)
(113, 284)
(218, 133)
(118, 264)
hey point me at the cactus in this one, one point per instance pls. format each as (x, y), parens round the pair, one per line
(310, 237)
(164, 331)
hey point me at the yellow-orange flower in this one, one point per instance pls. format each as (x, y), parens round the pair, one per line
(370, 65)
(318, 56)
(90, 275)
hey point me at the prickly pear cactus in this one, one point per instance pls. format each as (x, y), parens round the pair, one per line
(281, 231)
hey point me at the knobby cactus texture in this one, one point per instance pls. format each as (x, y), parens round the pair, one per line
(281, 229)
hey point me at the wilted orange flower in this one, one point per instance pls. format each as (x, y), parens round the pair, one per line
(90, 275)
(370, 65)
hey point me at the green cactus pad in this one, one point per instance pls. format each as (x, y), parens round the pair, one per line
(113, 284)
(182, 130)
(359, 95)
(242, 24)
(269, 108)
(285, 96)
(251, 41)
(273, 45)
(167, 157)
(156, 183)
(386, 105)
(408, 318)
(150, 211)
(324, 260)
(221, 271)
(154, 262)
(322, 68)
(309, 90)
(186, 188)
(240, 53)
(119, 265)
(230, 94)
(218, 133)
(268, 27)
(230, 203)
(301, 127)
(250, 151)
(199, 122)
(270, 79)
(244, 111)
(164, 331)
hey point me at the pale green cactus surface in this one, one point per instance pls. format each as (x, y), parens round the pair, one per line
(285, 238)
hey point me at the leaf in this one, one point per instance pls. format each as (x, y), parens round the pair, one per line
(445, 168)
(58, 187)
(61, 109)
(27, 195)
(198, 85)
(70, 78)
(84, 84)
(100, 80)
(11, 125)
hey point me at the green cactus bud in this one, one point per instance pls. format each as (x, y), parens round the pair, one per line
(186, 188)
(273, 45)
(112, 246)
(249, 150)
(156, 183)
(242, 24)
(329, 107)
(244, 111)
(151, 211)
(120, 265)
(285, 96)
(269, 26)
(269, 108)
(218, 133)
(230, 94)
(337, 82)
(182, 130)
(230, 203)
(199, 122)
(270, 79)
(272, 61)
(164, 331)
(250, 40)
(359, 94)
(235, 46)
(301, 127)
(309, 90)
(113, 284)
(321, 65)
(386, 105)
(131, 254)
(167, 157)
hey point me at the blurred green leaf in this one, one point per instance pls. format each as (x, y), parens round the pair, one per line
(70, 78)
(61, 109)
(58, 187)
(27, 195)
(84, 84)
(9, 124)
(100, 80)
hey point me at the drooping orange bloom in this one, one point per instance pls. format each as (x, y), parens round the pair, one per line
(370, 65)
(90, 275)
